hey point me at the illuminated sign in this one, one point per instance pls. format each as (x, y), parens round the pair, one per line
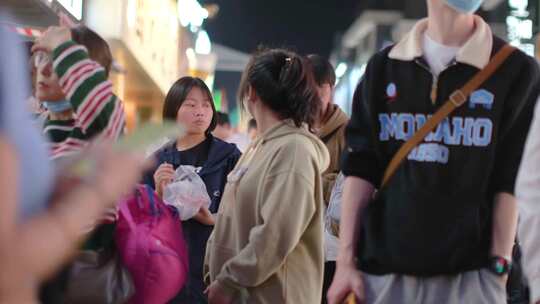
(520, 27)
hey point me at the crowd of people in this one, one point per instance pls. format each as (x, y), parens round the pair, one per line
(428, 193)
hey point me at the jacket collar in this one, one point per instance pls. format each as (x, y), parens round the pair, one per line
(476, 51)
(337, 119)
(219, 152)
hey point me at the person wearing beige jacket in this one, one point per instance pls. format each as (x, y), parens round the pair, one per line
(267, 245)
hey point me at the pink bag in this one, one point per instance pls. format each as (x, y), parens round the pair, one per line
(151, 246)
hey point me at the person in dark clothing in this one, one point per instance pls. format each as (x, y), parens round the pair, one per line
(442, 229)
(190, 103)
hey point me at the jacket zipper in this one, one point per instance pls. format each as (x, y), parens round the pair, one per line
(435, 81)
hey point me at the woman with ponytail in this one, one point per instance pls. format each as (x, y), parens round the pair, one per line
(267, 243)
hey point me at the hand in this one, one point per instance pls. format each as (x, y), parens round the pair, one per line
(346, 280)
(204, 216)
(66, 21)
(164, 175)
(53, 37)
(504, 280)
(216, 294)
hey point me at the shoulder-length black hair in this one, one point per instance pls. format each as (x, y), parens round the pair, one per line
(285, 83)
(177, 95)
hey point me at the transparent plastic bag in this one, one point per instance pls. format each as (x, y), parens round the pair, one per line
(187, 193)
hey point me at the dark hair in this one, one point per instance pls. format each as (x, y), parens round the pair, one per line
(323, 71)
(252, 124)
(223, 119)
(284, 82)
(177, 95)
(97, 47)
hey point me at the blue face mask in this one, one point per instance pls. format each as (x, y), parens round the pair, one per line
(465, 6)
(57, 106)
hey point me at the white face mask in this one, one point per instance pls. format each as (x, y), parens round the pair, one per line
(465, 6)
(57, 106)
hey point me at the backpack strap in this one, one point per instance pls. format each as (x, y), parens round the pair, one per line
(152, 201)
(457, 99)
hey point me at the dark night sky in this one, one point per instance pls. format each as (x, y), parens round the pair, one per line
(307, 26)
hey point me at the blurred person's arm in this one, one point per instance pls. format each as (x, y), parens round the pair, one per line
(15, 286)
(32, 251)
(528, 197)
(505, 218)
(8, 187)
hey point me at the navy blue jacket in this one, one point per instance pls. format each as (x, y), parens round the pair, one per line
(222, 158)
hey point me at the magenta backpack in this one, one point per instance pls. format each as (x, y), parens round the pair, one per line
(151, 246)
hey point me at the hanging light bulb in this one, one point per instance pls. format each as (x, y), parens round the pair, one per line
(190, 12)
(203, 44)
(341, 69)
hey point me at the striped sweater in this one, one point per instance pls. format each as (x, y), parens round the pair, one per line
(97, 111)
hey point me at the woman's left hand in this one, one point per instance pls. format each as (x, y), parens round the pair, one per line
(216, 294)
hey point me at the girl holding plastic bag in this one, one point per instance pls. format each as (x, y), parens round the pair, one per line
(190, 103)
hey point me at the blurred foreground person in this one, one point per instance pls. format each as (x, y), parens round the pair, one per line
(72, 65)
(35, 239)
